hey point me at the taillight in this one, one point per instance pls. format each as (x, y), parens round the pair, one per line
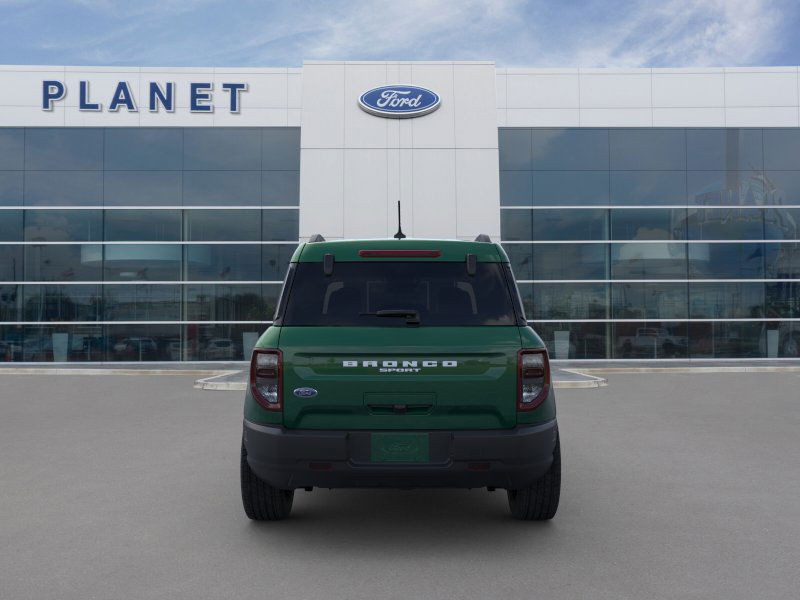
(533, 378)
(265, 378)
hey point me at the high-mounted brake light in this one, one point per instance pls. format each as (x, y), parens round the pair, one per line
(533, 378)
(400, 253)
(265, 378)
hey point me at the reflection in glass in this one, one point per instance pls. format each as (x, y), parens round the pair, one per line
(63, 225)
(11, 188)
(637, 300)
(140, 342)
(63, 188)
(280, 188)
(221, 342)
(11, 263)
(10, 304)
(726, 261)
(565, 300)
(782, 223)
(10, 226)
(724, 149)
(650, 339)
(217, 302)
(782, 260)
(143, 148)
(67, 262)
(142, 188)
(280, 224)
(783, 187)
(12, 148)
(555, 188)
(142, 302)
(62, 343)
(146, 262)
(142, 225)
(783, 299)
(570, 261)
(212, 188)
(721, 339)
(223, 225)
(516, 188)
(520, 256)
(574, 340)
(64, 148)
(235, 262)
(648, 149)
(648, 187)
(515, 149)
(726, 224)
(783, 340)
(62, 303)
(570, 149)
(782, 148)
(558, 225)
(648, 261)
(648, 224)
(221, 148)
(280, 148)
(726, 300)
(275, 260)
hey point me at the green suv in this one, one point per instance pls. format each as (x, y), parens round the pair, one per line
(400, 363)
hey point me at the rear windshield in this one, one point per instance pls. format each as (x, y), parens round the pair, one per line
(437, 293)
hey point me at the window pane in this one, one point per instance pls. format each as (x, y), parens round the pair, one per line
(222, 148)
(222, 342)
(143, 148)
(275, 260)
(565, 300)
(143, 342)
(12, 148)
(10, 226)
(10, 309)
(781, 148)
(63, 225)
(62, 343)
(142, 225)
(154, 262)
(554, 225)
(521, 258)
(11, 188)
(11, 263)
(219, 188)
(280, 224)
(230, 302)
(726, 224)
(726, 261)
(648, 149)
(783, 261)
(722, 339)
(515, 149)
(648, 261)
(637, 300)
(281, 148)
(516, 225)
(143, 188)
(64, 188)
(142, 302)
(11, 341)
(726, 300)
(570, 149)
(654, 339)
(63, 148)
(516, 188)
(783, 299)
(223, 225)
(782, 223)
(724, 149)
(570, 187)
(648, 187)
(648, 224)
(783, 187)
(570, 261)
(573, 340)
(786, 336)
(68, 262)
(730, 188)
(239, 262)
(62, 303)
(280, 188)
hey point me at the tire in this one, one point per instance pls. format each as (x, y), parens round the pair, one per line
(539, 501)
(261, 501)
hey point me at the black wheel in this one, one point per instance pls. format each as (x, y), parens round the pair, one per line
(261, 501)
(539, 501)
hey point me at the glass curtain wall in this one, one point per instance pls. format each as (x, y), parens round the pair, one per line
(143, 244)
(655, 243)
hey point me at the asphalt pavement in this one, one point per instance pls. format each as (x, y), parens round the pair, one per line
(675, 486)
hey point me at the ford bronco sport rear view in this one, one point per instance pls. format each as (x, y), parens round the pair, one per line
(400, 363)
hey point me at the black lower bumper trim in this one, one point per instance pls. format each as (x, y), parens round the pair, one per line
(507, 458)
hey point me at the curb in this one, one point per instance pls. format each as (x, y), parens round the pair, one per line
(696, 370)
(51, 371)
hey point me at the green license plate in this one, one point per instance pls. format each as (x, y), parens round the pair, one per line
(400, 447)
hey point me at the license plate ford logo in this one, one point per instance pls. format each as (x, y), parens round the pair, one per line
(305, 392)
(399, 101)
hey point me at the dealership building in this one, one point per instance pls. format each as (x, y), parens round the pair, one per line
(148, 214)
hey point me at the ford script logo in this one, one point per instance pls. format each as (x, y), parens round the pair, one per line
(399, 101)
(305, 392)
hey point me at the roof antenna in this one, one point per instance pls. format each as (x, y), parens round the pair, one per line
(399, 235)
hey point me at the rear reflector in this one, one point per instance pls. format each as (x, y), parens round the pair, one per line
(400, 253)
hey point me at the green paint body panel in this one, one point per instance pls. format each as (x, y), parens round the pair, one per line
(478, 390)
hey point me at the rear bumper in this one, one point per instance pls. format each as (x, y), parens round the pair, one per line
(508, 458)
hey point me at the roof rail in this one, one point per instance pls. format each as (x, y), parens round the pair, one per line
(317, 237)
(482, 237)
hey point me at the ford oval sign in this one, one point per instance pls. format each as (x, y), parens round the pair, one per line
(305, 392)
(399, 101)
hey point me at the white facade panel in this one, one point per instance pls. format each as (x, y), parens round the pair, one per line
(616, 117)
(322, 196)
(474, 105)
(436, 130)
(323, 106)
(689, 117)
(542, 117)
(611, 90)
(690, 90)
(365, 191)
(362, 130)
(761, 116)
(543, 90)
(435, 213)
(760, 89)
(476, 182)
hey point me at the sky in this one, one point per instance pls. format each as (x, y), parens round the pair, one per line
(241, 33)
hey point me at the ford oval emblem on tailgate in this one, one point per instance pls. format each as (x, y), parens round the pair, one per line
(305, 392)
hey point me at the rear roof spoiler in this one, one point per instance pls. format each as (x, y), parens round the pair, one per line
(482, 237)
